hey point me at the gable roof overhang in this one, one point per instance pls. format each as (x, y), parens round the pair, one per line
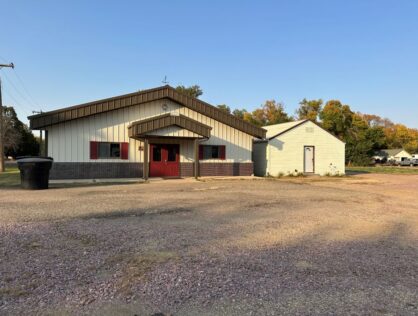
(288, 129)
(43, 120)
(141, 128)
(301, 123)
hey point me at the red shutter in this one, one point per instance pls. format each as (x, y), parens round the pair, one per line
(124, 147)
(222, 152)
(93, 150)
(200, 151)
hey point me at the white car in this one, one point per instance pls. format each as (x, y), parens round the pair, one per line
(408, 162)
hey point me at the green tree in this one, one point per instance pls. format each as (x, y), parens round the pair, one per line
(11, 134)
(239, 113)
(274, 113)
(362, 141)
(192, 91)
(337, 118)
(256, 117)
(309, 109)
(270, 113)
(377, 136)
(19, 139)
(225, 108)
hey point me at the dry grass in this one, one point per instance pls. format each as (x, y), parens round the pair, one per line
(383, 170)
(10, 178)
(137, 265)
(14, 292)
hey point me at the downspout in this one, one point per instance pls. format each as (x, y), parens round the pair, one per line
(196, 170)
(269, 156)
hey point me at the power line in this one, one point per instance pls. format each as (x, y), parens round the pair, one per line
(17, 90)
(22, 84)
(11, 96)
(24, 87)
(17, 103)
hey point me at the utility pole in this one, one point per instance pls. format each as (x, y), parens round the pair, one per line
(2, 168)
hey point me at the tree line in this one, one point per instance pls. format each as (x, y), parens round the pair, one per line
(363, 134)
(18, 138)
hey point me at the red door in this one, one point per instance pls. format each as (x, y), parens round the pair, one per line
(164, 160)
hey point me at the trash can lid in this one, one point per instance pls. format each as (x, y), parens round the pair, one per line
(34, 159)
(24, 157)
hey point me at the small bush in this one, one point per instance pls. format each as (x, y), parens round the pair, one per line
(336, 174)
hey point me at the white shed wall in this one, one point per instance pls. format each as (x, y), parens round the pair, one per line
(285, 153)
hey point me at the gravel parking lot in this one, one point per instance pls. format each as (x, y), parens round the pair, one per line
(220, 246)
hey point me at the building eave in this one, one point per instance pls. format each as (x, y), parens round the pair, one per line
(40, 121)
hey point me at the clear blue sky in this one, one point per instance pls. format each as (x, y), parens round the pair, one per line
(241, 53)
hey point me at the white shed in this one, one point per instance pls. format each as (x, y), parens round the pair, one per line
(300, 146)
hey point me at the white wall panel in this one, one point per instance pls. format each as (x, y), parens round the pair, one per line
(285, 153)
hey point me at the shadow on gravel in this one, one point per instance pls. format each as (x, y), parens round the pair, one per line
(135, 213)
(196, 265)
(361, 277)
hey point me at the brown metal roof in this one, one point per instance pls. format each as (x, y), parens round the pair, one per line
(139, 128)
(40, 121)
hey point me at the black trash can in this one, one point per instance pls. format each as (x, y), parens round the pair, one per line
(34, 172)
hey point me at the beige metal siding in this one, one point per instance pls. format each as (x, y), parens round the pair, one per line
(173, 131)
(69, 141)
(285, 153)
(238, 144)
(144, 96)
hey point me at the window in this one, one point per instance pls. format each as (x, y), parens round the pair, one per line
(171, 153)
(107, 150)
(156, 153)
(114, 150)
(211, 152)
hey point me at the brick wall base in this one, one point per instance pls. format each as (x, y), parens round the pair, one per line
(106, 170)
(95, 170)
(209, 169)
(186, 169)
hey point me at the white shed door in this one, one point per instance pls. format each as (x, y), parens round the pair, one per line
(309, 164)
